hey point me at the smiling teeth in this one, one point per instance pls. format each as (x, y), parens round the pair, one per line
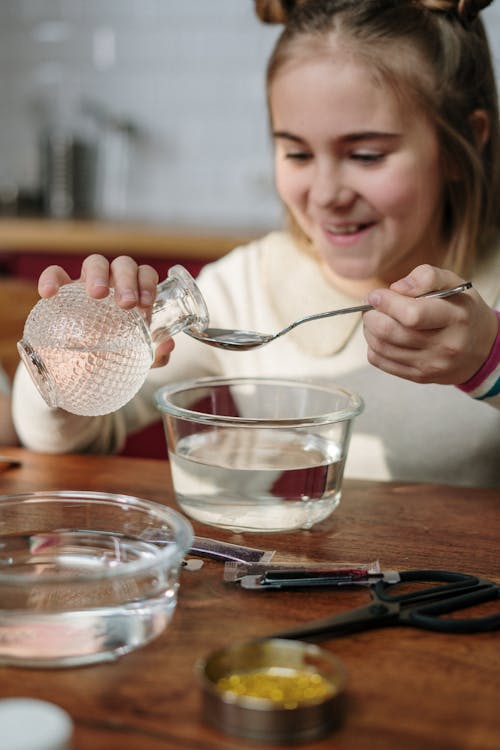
(347, 229)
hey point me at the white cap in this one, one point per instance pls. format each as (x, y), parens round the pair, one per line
(29, 724)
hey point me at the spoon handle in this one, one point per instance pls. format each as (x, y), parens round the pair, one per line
(448, 292)
(364, 308)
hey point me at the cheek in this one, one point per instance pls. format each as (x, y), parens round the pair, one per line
(394, 200)
(405, 194)
(290, 183)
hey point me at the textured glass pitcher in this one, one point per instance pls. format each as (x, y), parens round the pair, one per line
(89, 356)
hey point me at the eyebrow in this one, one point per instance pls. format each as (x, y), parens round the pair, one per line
(287, 136)
(350, 138)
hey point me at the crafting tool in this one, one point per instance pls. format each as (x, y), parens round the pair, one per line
(421, 608)
(217, 550)
(235, 571)
(291, 579)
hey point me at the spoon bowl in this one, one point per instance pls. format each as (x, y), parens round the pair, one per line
(240, 340)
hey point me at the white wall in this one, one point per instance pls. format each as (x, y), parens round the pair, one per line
(189, 73)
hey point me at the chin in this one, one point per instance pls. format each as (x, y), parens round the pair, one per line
(353, 271)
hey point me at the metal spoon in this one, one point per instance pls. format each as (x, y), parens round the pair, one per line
(234, 339)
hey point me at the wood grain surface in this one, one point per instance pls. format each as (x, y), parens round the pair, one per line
(407, 689)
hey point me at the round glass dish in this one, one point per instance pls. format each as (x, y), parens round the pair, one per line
(257, 454)
(85, 576)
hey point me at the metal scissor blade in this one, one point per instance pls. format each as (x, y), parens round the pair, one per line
(374, 615)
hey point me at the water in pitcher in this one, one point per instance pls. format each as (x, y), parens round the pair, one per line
(94, 381)
(89, 356)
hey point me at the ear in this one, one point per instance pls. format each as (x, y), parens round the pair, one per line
(479, 122)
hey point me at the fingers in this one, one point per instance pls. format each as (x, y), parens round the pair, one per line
(400, 302)
(425, 357)
(425, 279)
(410, 371)
(124, 277)
(51, 279)
(148, 281)
(427, 339)
(134, 285)
(400, 318)
(162, 352)
(95, 275)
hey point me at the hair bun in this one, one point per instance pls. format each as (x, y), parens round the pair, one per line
(275, 11)
(468, 10)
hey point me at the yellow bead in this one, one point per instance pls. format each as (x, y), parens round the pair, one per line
(286, 690)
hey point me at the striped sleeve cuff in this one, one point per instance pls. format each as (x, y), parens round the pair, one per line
(485, 384)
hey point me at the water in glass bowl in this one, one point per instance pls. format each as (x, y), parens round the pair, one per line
(77, 613)
(257, 480)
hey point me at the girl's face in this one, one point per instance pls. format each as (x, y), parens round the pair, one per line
(361, 177)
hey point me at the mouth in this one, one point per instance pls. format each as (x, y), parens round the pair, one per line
(347, 230)
(346, 234)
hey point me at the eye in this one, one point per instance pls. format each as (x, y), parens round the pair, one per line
(367, 157)
(298, 155)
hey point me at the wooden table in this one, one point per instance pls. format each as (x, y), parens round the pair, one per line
(408, 689)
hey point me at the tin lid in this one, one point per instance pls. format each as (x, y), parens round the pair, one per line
(30, 724)
(239, 697)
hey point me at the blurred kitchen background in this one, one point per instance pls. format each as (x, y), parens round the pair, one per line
(137, 109)
(149, 110)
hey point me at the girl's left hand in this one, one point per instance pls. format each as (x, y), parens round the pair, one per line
(436, 340)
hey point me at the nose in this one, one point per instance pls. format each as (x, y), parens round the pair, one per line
(330, 187)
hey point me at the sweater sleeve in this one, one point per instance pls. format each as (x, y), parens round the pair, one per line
(485, 384)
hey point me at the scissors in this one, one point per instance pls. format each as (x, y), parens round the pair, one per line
(421, 608)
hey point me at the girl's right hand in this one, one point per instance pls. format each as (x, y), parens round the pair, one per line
(134, 286)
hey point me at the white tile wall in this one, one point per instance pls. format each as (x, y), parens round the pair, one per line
(188, 73)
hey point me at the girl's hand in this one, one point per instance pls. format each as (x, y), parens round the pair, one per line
(433, 340)
(134, 286)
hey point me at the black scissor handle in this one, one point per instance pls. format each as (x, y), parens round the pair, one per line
(424, 607)
(428, 616)
(452, 581)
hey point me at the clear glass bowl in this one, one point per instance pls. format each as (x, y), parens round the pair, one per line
(257, 454)
(85, 577)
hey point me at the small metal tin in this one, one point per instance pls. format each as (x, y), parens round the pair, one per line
(263, 719)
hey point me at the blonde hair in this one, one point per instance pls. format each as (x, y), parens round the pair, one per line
(453, 77)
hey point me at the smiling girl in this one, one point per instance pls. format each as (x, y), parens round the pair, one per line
(384, 119)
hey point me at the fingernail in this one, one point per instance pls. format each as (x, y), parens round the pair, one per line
(374, 299)
(100, 283)
(146, 298)
(128, 296)
(48, 288)
(403, 285)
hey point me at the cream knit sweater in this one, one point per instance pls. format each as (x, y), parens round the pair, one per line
(406, 432)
